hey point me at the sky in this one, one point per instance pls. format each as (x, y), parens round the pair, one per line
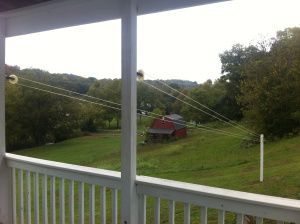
(178, 44)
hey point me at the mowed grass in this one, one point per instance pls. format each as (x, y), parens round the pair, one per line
(202, 158)
(86, 151)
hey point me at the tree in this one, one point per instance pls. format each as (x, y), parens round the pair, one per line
(35, 117)
(270, 92)
(233, 62)
(209, 94)
(109, 90)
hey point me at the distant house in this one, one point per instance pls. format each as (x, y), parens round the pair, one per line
(169, 126)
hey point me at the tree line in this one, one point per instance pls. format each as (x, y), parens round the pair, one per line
(36, 117)
(260, 85)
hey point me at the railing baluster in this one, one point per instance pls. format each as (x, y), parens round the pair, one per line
(92, 204)
(259, 220)
(187, 213)
(62, 201)
(14, 192)
(221, 217)
(36, 199)
(203, 214)
(171, 212)
(142, 209)
(28, 194)
(44, 199)
(240, 219)
(156, 210)
(81, 202)
(52, 200)
(103, 204)
(71, 201)
(114, 206)
(21, 196)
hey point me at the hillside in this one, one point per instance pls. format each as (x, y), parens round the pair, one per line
(68, 81)
(184, 84)
(75, 82)
(45, 107)
(201, 158)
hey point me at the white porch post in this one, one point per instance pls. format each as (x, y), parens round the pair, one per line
(5, 174)
(129, 200)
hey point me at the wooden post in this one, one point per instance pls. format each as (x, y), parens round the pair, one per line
(5, 173)
(129, 199)
(261, 158)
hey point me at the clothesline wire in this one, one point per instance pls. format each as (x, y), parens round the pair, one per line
(85, 95)
(197, 108)
(201, 128)
(145, 115)
(241, 127)
(104, 100)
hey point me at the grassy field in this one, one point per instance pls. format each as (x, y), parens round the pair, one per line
(202, 158)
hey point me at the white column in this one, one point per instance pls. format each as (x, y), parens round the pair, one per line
(129, 199)
(5, 173)
(261, 177)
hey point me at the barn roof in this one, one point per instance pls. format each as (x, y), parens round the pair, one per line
(178, 121)
(174, 117)
(160, 131)
(179, 124)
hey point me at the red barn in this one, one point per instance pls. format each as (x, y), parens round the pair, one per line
(167, 127)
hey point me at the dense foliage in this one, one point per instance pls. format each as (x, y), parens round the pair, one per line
(260, 85)
(270, 92)
(35, 118)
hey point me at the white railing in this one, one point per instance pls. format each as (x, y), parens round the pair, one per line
(240, 203)
(32, 177)
(42, 172)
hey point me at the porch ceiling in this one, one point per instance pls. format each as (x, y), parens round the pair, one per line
(15, 4)
(29, 16)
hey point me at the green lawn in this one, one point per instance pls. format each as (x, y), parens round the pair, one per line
(202, 158)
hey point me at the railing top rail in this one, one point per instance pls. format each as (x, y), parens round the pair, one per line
(220, 192)
(218, 198)
(81, 173)
(235, 201)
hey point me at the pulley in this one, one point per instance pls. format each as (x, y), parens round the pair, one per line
(12, 79)
(140, 75)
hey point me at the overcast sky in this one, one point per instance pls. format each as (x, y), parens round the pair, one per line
(179, 44)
